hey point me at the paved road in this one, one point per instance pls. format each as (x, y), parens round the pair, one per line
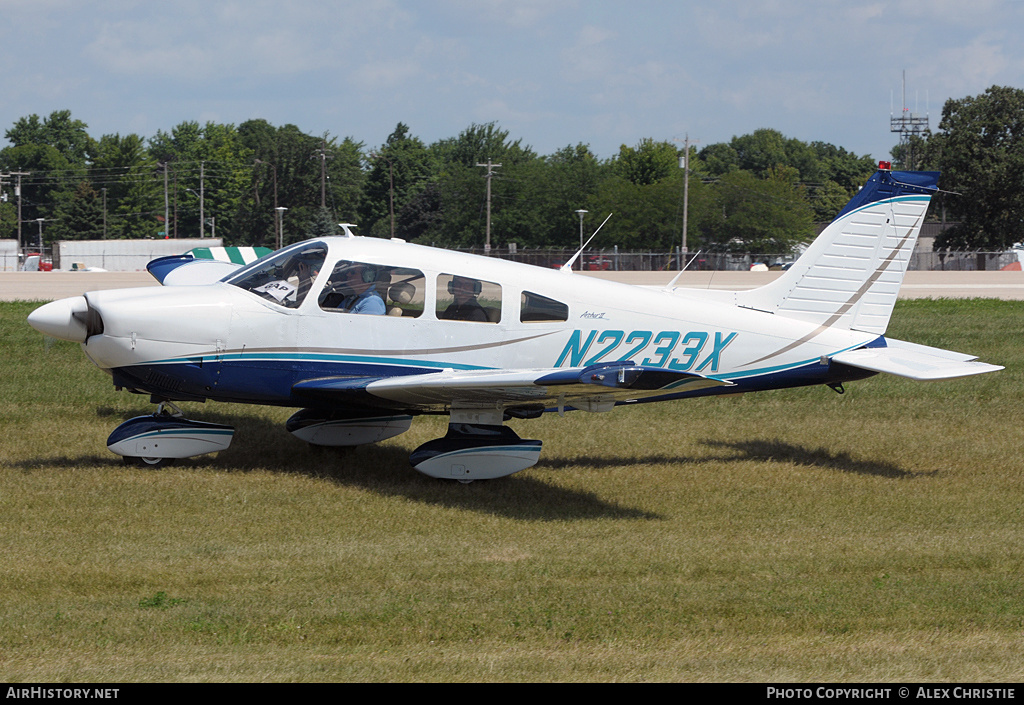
(47, 286)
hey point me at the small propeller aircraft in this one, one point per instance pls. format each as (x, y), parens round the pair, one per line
(363, 334)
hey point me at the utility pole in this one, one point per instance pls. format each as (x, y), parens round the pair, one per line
(490, 173)
(17, 194)
(324, 156)
(167, 205)
(684, 164)
(686, 196)
(201, 215)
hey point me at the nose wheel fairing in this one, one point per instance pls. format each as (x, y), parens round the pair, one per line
(163, 436)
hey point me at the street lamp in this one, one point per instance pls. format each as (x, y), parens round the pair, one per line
(581, 213)
(40, 221)
(280, 226)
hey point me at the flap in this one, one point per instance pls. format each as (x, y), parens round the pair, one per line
(607, 383)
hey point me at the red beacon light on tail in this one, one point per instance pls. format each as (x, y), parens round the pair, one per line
(885, 166)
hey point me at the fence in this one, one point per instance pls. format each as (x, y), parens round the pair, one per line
(611, 260)
(660, 261)
(112, 255)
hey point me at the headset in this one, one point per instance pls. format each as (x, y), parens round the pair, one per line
(368, 272)
(477, 286)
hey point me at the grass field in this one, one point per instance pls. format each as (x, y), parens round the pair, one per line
(785, 536)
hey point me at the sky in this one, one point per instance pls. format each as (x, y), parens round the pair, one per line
(552, 73)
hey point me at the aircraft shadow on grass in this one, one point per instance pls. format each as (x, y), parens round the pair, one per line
(380, 468)
(747, 450)
(383, 469)
(779, 451)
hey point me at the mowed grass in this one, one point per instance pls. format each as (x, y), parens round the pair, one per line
(786, 536)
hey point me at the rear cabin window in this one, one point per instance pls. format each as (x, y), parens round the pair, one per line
(361, 287)
(462, 298)
(535, 308)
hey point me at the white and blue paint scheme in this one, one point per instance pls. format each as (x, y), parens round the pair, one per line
(277, 332)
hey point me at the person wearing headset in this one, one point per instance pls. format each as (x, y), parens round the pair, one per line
(361, 284)
(465, 307)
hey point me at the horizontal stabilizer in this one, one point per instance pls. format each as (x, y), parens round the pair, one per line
(918, 362)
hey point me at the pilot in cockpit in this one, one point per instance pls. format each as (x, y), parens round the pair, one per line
(306, 270)
(360, 287)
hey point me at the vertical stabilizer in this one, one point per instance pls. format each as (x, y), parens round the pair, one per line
(850, 275)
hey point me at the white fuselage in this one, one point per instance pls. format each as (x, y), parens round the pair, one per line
(240, 334)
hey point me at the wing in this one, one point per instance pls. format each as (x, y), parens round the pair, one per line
(918, 362)
(594, 388)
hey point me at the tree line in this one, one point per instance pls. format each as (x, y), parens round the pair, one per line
(760, 192)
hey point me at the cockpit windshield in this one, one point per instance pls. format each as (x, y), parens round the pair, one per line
(285, 277)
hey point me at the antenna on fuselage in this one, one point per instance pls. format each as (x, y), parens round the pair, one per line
(668, 287)
(345, 227)
(567, 267)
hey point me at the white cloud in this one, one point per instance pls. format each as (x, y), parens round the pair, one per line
(553, 72)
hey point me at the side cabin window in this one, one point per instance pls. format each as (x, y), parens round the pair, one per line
(462, 298)
(534, 308)
(361, 287)
(284, 277)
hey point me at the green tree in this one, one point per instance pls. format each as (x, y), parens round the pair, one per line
(980, 146)
(289, 169)
(8, 218)
(68, 136)
(123, 169)
(399, 169)
(569, 180)
(55, 151)
(323, 224)
(644, 216)
(208, 174)
(80, 216)
(460, 193)
(917, 153)
(831, 174)
(647, 163)
(766, 216)
(643, 189)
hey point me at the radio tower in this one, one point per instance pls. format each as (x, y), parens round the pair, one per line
(908, 124)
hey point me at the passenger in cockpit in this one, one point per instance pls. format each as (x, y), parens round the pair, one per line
(465, 307)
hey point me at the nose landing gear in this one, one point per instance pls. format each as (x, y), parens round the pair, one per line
(154, 440)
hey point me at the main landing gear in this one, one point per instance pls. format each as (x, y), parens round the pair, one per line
(475, 452)
(476, 447)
